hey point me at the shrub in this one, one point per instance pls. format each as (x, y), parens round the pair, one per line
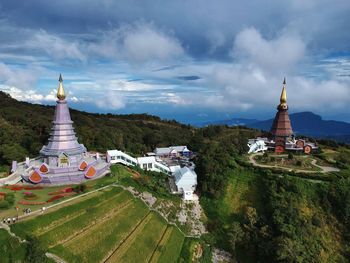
(316, 221)
(4, 204)
(8, 201)
(54, 198)
(80, 188)
(30, 196)
(34, 251)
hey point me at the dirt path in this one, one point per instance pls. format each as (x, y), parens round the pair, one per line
(324, 169)
(57, 259)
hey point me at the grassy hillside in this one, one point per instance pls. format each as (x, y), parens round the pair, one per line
(270, 217)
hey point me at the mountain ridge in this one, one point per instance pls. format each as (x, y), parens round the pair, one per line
(303, 123)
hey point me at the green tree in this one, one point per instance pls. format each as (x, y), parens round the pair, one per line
(34, 251)
(235, 235)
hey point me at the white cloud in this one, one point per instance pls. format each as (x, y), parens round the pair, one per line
(18, 78)
(110, 101)
(144, 42)
(279, 54)
(28, 94)
(125, 85)
(216, 39)
(138, 43)
(55, 46)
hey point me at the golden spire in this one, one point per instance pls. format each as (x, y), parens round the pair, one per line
(283, 99)
(60, 92)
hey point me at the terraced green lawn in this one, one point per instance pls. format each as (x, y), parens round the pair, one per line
(170, 247)
(144, 243)
(110, 227)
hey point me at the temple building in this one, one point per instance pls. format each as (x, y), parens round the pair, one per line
(63, 148)
(64, 159)
(281, 129)
(282, 138)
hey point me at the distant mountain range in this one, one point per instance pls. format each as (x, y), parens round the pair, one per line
(303, 123)
(229, 122)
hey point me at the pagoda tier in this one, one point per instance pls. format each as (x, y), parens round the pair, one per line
(62, 139)
(281, 128)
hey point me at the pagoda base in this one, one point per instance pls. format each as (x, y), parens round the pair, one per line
(39, 172)
(294, 146)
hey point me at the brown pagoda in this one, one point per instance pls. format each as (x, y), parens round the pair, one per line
(281, 129)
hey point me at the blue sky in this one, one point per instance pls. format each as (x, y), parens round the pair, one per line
(188, 60)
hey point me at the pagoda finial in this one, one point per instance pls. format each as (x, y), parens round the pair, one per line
(283, 98)
(60, 92)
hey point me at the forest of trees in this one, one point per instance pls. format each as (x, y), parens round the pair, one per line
(25, 128)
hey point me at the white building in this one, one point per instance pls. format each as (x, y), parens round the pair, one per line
(257, 145)
(186, 182)
(150, 163)
(185, 179)
(116, 156)
(172, 151)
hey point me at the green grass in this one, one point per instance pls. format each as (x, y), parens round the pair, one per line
(82, 222)
(41, 222)
(111, 222)
(11, 250)
(283, 161)
(170, 251)
(42, 196)
(102, 238)
(146, 241)
(242, 190)
(188, 251)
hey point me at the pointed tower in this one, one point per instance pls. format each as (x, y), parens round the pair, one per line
(281, 129)
(63, 148)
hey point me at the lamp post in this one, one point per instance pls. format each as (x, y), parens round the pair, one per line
(17, 208)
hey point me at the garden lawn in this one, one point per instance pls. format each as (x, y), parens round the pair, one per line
(42, 195)
(48, 221)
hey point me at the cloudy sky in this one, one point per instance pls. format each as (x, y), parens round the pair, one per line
(186, 59)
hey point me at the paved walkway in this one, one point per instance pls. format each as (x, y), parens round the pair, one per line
(324, 169)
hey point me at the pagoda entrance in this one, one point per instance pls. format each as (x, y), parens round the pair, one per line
(63, 160)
